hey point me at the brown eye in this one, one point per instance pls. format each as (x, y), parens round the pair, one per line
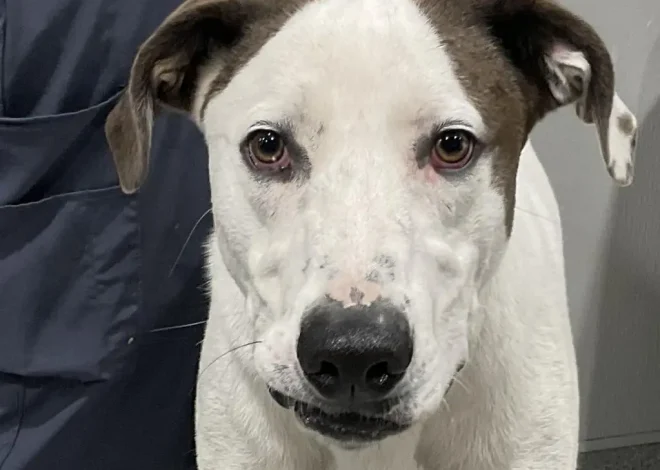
(453, 149)
(267, 149)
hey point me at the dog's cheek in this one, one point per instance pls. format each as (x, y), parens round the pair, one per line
(275, 357)
(440, 356)
(483, 220)
(490, 236)
(442, 328)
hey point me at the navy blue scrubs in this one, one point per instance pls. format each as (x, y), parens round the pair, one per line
(87, 273)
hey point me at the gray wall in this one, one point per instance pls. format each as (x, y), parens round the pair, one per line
(612, 236)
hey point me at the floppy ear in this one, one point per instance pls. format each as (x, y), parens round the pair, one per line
(165, 75)
(563, 61)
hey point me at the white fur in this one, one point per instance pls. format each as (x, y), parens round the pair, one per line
(472, 298)
(620, 159)
(617, 147)
(519, 388)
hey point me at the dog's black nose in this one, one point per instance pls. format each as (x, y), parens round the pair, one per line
(355, 355)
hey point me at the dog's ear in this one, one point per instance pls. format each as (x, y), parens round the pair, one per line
(164, 74)
(563, 61)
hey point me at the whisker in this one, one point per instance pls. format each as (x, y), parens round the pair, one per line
(446, 404)
(535, 215)
(229, 315)
(178, 258)
(234, 349)
(459, 382)
(177, 327)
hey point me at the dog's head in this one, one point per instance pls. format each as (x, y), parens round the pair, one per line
(363, 159)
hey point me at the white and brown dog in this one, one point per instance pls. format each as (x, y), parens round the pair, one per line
(382, 227)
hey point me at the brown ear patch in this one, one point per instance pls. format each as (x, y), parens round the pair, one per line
(519, 60)
(268, 19)
(165, 72)
(491, 82)
(198, 31)
(128, 132)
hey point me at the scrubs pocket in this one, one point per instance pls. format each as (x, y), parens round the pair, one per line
(69, 249)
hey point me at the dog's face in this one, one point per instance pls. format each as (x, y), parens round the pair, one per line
(363, 158)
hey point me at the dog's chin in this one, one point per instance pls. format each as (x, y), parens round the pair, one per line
(350, 430)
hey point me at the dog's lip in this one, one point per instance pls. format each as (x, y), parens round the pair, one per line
(343, 426)
(346, 427)
(281, 399)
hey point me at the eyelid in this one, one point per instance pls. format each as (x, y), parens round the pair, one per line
(262, 125)
(457, 128)
(253, 130)
(281, 130)
(454, 125)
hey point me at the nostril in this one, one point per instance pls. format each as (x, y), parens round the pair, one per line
(328, 375)
(329, 369)
(381, 379)
(378, 375)
(326, 378)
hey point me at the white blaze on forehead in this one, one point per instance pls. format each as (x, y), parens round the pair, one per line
(338, 63)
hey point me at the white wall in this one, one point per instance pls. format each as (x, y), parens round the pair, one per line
(612, 236)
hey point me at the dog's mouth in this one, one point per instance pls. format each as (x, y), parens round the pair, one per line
(348, 428)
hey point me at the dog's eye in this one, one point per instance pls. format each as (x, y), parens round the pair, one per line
(453, 149)
(267, 150)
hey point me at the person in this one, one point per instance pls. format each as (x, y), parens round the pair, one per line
(102, 294)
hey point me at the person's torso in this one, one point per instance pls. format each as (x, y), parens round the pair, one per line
(87, 273)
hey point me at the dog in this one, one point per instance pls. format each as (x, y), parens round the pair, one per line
(386, 270)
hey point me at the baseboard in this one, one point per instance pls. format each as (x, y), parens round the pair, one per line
(620, 441)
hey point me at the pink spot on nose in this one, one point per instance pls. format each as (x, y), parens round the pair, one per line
(350, 292)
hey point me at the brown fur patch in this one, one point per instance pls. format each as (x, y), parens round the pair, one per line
(166, 70)
(490, 81)
(626, 124)
(498, 48)
(270, 16)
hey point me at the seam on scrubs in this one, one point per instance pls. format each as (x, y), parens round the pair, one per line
(19, 425)
(3, 41)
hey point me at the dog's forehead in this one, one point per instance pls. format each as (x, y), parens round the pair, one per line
(324, 59)
(371, 58)
(379, 71)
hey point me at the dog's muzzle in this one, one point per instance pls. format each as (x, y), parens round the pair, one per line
(353, 359)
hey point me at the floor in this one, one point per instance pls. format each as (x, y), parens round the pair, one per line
(646, 457)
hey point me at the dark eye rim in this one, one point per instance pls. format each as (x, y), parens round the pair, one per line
(445, 166)
(280, 165)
